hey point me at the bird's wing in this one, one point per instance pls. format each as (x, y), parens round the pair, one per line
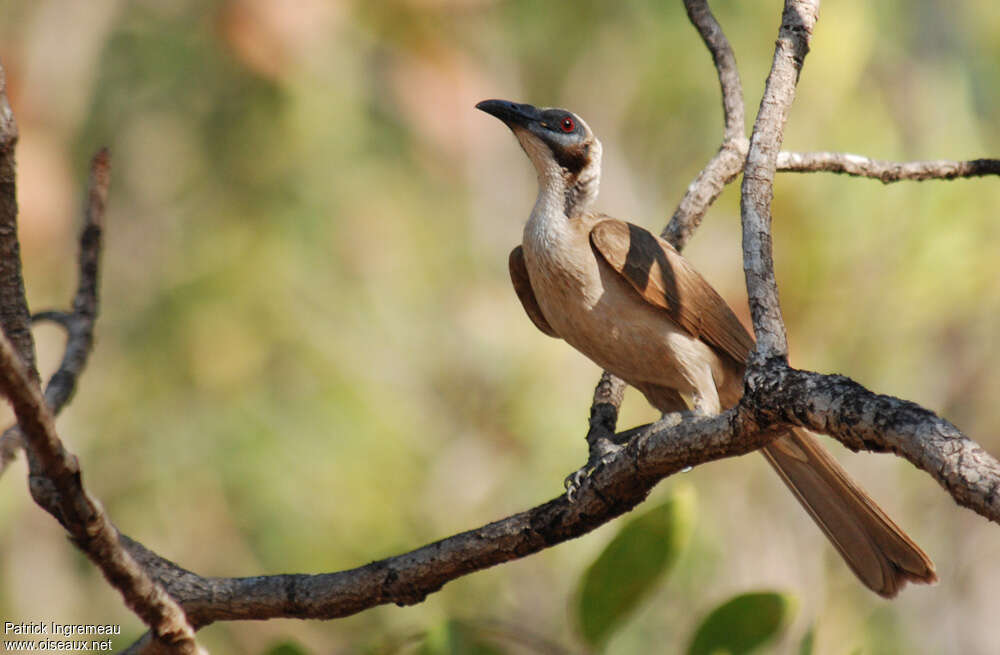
(522, 286)
(665, 279)
(662, 398)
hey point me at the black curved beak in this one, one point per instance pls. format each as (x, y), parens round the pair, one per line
(511, 113)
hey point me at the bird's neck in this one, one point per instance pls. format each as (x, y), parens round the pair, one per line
(563, 196)
(555, 223)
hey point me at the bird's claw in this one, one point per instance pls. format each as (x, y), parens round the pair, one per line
(575, 480)
(601, 454)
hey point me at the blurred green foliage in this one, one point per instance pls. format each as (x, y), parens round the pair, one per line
(309, 356)
(286, 648)
(633, 565)
(808, 642)
(743, 624)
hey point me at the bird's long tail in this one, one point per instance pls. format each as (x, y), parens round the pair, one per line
(875, 548)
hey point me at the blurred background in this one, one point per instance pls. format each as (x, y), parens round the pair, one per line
(309, 355)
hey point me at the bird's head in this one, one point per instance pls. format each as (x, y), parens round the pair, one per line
(560, 145)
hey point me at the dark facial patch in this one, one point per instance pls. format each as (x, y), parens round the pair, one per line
(573, 158)
(567, 147)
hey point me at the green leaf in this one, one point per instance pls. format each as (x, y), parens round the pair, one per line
(808, 643)
(632, 564)
(286, 648)
(456, 638)
(742, 624)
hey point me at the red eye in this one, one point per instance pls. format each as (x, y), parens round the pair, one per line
(567, 125)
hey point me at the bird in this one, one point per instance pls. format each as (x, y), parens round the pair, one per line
(628, 301)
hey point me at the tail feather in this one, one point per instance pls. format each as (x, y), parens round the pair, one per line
(875, 548)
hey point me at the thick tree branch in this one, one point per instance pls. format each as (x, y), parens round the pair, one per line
(57, 486)
(659, 450)
(15, 319)
(79, 323)
(797, 22)
(885, 171)
(861, 420)
(831, 404)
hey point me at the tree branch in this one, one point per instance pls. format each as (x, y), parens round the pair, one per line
(776, 397)
(834, 405)
(608, 395)
(79, 323)
(55, 481)
(728, 161)
(725, 65)
(15, 319)
(797, 22)
(861, 420)
(56, 485)
(884, 171)
(659, 450)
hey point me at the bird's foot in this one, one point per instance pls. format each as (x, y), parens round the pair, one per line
(605, 446)
(602, 451)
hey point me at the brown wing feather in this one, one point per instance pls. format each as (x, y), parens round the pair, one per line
(665, 279)
(662, 398)
(522, 286)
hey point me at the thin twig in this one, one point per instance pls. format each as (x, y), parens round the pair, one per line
(725, 65)
(727, 163)
(79, 323)
(797, 22)
(10, 444)
(884, 171)
(80, 340)
(721, 170)
(57, 486)
(60, 318)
